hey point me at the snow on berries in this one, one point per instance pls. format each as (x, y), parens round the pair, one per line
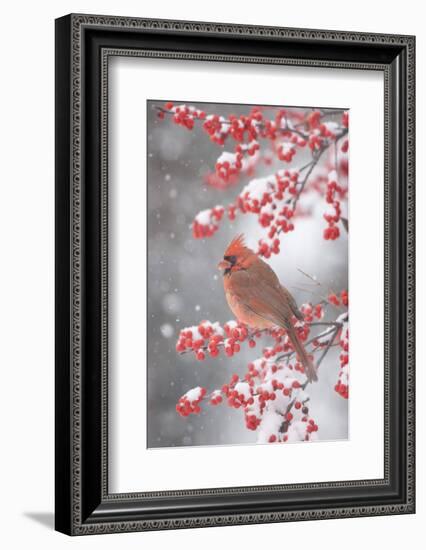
(229, 165)
(286, 151)
(333, 212)
(189, 403)
(216, 397)
(207, 339)
(206, 222)
(217, 127)
(183, 115)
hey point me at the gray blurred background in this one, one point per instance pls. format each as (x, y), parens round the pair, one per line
(185, 286)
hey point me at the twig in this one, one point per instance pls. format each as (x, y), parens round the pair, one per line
(290, 353)
(308, 173)
(315, 162)
(329, 344)
(305, 166)
(317, 283)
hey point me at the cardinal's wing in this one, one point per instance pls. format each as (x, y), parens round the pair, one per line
(292, 302)
(261, 291)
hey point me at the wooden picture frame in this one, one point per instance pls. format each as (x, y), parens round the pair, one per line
(83, 46)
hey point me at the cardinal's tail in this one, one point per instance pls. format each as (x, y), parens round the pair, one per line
(309, 367)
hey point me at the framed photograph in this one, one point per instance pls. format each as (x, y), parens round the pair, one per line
(234, 274)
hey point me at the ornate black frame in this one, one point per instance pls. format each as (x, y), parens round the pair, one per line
(83, 45)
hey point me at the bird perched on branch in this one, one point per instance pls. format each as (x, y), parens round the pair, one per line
(257, 298)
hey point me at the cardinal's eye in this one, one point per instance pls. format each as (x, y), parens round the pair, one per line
(231, 259)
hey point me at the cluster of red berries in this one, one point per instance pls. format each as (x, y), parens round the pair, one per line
(332, 232)
(209, 337)
(322, 134)
(242, 125)
(286, 151)
(260, 390)
(236, 333)
(206, 223)
(198, 338)
(183, 115)
(266, 197)
(248, 168)
(310, 311)
(313, 119)
(328, 130)
(266, 250)
(315, 142)
(311, 426)
(238, 127)
(216, 398)
(217, 128)
(262, 197)
(229, 165)
(342, 390)
(336, 301)
(252, 421)
(239, 394)
(250, 148)
(300, 429)
(189, 403)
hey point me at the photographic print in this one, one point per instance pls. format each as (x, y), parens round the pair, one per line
(248, 320)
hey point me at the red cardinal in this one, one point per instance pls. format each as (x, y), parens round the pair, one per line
(257, 298)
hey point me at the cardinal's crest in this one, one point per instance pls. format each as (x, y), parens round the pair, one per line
(236, 246)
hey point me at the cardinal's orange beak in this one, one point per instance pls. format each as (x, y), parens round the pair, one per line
(224, 264)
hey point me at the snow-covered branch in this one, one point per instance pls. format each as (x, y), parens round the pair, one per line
(259, 137)
(273, 392)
